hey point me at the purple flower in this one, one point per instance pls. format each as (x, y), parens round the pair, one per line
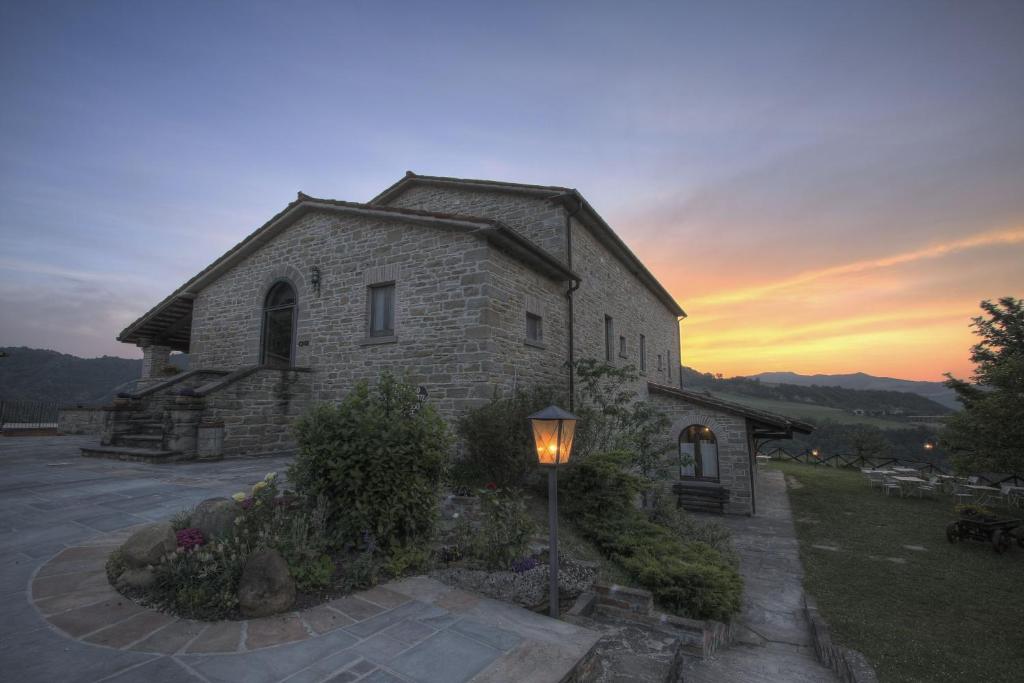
(189, 539)
(523, 564)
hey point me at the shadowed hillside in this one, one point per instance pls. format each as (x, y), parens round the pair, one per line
(43, 375)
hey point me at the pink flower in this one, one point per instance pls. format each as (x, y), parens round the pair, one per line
(189, 539)
(491, 486)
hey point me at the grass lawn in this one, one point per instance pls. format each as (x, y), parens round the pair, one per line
(948, 613)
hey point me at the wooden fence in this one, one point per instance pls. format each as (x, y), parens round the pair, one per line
(808, 457)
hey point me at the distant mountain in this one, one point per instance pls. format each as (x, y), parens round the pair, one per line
(934, 391)
(43, 375)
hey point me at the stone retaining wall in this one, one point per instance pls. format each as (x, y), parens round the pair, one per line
(850, 665)
(258, 410)
(80, 420)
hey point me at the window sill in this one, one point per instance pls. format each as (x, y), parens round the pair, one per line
(535, 344)
(373, 341)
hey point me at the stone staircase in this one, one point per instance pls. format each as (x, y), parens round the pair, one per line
(158, 423)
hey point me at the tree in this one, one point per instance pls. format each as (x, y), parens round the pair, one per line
(988, 434)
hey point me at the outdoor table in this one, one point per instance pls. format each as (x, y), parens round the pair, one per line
(904, 469)
(983, 492)
(908, 482)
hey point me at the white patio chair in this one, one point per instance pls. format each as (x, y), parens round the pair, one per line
(1010, 498)
(890, 486)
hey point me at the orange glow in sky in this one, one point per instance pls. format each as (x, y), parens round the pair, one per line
(891, 313)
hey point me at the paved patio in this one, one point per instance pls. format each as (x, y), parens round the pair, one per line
(62, 514)
(774, 641)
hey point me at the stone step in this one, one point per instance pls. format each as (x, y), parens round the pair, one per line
(144, 440)
(149, 455)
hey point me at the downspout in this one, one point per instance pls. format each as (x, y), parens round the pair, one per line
(568, 295)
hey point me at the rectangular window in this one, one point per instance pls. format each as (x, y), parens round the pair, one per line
(668, 363)
(534, 328)
(643, 353)
(382, 310)
(609, 339)
(659, 362)
(622, 347)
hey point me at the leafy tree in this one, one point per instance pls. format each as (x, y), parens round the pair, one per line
(988, 435)
(613, 419)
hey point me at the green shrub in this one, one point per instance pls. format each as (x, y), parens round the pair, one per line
(182, 520)
(497, 442)
(378, 458)
(599, 487)
(686, 576)
(667, 513)
(403, 560)
(505, 528)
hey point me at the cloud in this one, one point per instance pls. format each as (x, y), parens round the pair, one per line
(1011, 236)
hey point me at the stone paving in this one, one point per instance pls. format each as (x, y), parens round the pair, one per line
(63, 514)
(773, 636)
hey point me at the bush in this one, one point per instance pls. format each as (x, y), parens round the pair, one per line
(378, 458)
(599, 487)
(667, 513)
(497, 442)
(202, 583)
(686, 576)
(505, 529)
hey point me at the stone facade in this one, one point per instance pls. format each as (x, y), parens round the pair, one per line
(608, 288)
(461, 301)
(735, 458)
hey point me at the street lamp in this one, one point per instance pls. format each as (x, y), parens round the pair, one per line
(553, 432)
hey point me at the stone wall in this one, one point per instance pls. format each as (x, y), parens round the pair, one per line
(259, 409)
(80, 420)
(446, 317)
(608, 287)
(734, 455)
(538, 220)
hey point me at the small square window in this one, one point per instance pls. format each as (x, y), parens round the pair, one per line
(622, 347)
(534, 328)
(382, 310)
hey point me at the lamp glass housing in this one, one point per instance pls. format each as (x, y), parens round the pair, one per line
(553, 440)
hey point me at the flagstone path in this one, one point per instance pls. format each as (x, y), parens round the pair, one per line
(62, 515)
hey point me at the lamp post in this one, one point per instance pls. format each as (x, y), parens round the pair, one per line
(553, 431)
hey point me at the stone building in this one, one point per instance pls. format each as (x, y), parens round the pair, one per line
(464, 286)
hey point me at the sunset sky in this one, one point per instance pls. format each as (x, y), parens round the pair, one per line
(824, 187)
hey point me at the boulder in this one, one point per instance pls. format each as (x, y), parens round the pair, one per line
(266, 586)
(137, 578)
(215, 517)
(148, 545)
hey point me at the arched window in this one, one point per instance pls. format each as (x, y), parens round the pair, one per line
(278, 326)
(698, 453)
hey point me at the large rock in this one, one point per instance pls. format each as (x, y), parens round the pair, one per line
(266, 586)
(215, 517)
(149, 544)
(137, 578)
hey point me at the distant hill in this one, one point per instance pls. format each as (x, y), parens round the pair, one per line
(934, 391)
(817, 403)
(43, 375)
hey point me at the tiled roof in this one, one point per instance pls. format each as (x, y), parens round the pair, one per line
(763, 417)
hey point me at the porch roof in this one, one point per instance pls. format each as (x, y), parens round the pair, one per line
(771, 424)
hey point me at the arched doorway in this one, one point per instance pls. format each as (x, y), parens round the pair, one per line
(698, 453)
(278, 326)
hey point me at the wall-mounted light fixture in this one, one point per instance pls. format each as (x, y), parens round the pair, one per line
(314, 279)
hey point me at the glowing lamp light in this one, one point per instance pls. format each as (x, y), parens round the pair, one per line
(553, 432)
(928, 445)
